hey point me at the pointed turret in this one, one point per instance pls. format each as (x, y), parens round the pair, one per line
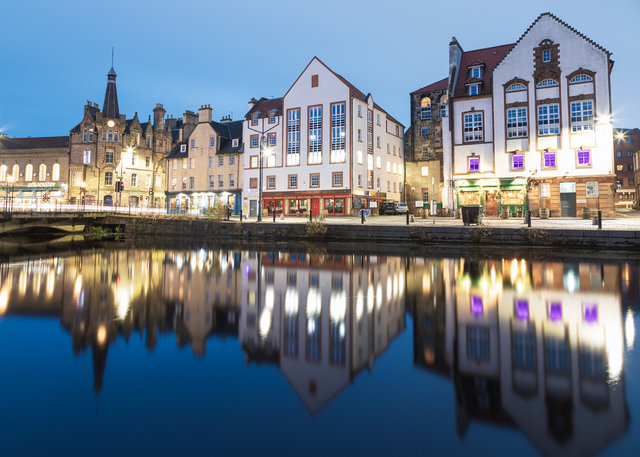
(110, 105)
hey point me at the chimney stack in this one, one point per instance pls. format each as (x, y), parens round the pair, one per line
(225, 119)
(204, 114)
(158, 116)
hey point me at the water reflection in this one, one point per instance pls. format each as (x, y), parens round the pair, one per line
(535, 345)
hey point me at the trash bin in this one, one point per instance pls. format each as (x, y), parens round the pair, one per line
(470, 214)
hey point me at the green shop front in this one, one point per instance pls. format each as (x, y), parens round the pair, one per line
(493, 195)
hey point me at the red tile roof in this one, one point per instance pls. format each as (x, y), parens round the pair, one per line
(489, 57)
(439, 85)
(264, 106)
(43, 142)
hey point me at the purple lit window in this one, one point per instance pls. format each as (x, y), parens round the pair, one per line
(584, 157)
(517, 161)
(474, 163)
(549, 159)
(555, 312)
(476, 306)
(522, 310)
(591, 313)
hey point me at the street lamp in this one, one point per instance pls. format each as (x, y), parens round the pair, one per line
(83, 189)
(263, 154)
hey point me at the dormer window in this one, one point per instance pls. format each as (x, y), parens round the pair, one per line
(234, 142)
(547, 83)
(516, 87)
(546, 55)
(254, 119)
(473, 89)
(581, 78)
(475, 72)
(183, 148)
(272, 117)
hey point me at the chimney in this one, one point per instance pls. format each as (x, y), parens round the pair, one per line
(455, 55)
(158, 116)
(189, 117)
(252, 103)
(225, 119)
(204, 114)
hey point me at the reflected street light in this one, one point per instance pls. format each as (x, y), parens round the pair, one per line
(83, 189)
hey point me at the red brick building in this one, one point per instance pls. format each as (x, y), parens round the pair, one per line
(626, 142)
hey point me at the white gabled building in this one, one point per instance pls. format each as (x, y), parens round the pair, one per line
(531, 121)
(329, 148)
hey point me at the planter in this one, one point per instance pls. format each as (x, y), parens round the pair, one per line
(456, 213)
(544, 213)
(504, 213)
(586, 213)
(471, 214)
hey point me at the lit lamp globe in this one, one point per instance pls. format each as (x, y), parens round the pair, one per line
(83, 185)
(11, 179)
(111, 123)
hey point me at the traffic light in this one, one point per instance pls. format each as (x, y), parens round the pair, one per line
(150, 190)
(121, 186)
(117, 186)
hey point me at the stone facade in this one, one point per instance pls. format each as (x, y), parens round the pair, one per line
(626, 142)
(106, 147)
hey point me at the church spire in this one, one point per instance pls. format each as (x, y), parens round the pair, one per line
(110, 105)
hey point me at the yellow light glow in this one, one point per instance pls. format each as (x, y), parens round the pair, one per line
(50, 284)
(629, 329)
(370, 298)
(111, 123)
(77, 288)
(123, 304)
(4, 300)
(101, 336)
(514, 271)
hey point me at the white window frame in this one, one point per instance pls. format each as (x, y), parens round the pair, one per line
(338, 154)
(473, 126)
(581, 116)
(315, 135)
(546, 55)
(293, 137)
(549, 119)
(517, 124)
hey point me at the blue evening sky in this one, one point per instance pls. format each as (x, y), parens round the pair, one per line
(55, 55)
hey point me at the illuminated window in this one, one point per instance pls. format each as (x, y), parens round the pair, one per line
(425, 108)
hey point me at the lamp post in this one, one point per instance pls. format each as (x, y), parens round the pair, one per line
(83, 189)
(263, 144)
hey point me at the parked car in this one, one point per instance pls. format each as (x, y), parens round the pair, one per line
(402, 208)
(387, 208)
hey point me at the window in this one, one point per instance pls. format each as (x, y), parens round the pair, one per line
(584, 157)
(271, 182)
(388, 148)
(293, 137)
(253, 142)
(545, 190)
(547, 83)
(75, 178)
(108, 157)
(315, 135)
(474, 164)
(192, 144)
(369, 132)
(549, 159)
(619, 154)
(212, 142)
(220, 181)
(314, 80)
(28, 173)
(473, 127)
(580, 79)
(425, 132)
(254, 119)
(232, 180)
(85, 135)
(293, 181)
(425, 171)
(232, 160)
(378, 162)
(134, 180)
(271, 139)
(253, 162)
(253, 183)
(359, 110)
(378, 119)
(473, 89)
(516, 122)
(546, 55)
(315, 180)
(271, 160)
(582, 116)
(443, 106)
(378, 181)
(192, 182)
(475, 72)
(524, 348)
(272, 117)
(42, 172)
(134, 157)
(147, 162)
(592, 189)
(516, 87)
(221, 161)
(234, 142)
(184, 163)
(55, 172)
(359, 134)
(360, 180)
(183, 148)
(517, 161)
(478, 342)
(388, 167)
(425, 108)
(378, 142)
(549, 119)
(148, 142)
(338, 132)
(388, 186)
(337, 179)
(86, 158)
(211, 162)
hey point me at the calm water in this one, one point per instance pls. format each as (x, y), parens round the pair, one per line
(212, 352)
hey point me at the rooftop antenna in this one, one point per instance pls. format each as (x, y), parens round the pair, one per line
(112, 50)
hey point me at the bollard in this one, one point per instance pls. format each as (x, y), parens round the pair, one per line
(310, 216)
(362, 215)
(599, 219)
(274, 214)
(241, 215)
(407, 217)
(528, 219)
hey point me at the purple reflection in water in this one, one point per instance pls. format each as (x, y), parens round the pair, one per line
(555, 312)
(522, 310)
(476, 306)
(590, 313)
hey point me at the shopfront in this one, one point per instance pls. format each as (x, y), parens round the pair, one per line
(32, 196)
(493, 195)
(301, 204)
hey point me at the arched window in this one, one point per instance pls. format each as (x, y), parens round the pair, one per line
(580, 78)
(42, 174)
(443, 106)
(3, 172)
(547, 83)
(108, 178)
(28, 172)
(516, 87)
(16, 172)
(55, 172)
(425, 108)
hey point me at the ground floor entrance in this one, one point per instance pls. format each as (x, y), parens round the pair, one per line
(301, 204)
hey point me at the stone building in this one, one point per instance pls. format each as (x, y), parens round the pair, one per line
(33, 171)
(205, 165)
(106, 147)
(626, 142)
(424, 162)
(636, 177)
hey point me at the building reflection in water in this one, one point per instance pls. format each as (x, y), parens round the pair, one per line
(528, 344)
(533, 345)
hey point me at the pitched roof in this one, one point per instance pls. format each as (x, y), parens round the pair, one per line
(264, 106)
(43, 142)
(489, 57)
(176, 153)
(228, 131)
(438, 85)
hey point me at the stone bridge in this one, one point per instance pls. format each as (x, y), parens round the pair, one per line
(24, 223)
